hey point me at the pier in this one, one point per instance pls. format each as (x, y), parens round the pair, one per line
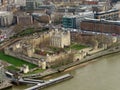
(51, 82)
(38, 84)
(30, 81)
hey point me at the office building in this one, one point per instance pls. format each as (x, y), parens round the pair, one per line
(73, 21)
(6, 18)
(103, 26)
(69, 21)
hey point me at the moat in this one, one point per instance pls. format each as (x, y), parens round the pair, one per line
(100, 75)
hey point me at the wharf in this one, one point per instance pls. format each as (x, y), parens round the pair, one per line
(50, 82)
(30, 81)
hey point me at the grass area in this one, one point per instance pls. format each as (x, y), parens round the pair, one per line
(24, 32)
(77, 46)
(54, 49)
(12, 68)
(27, 31)
(73, 46)
(15, 61)
(35, 71)
(31, 31)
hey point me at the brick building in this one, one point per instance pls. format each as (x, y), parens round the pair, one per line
(24, 19)
(104, 26)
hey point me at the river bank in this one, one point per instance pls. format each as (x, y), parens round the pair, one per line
(100, 74)
(86, 59)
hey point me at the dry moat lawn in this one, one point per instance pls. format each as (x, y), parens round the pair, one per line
(15, 61)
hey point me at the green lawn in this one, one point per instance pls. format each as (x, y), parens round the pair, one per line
(31, 31)
(27, 31)
(12, 68)
(15, 61)
(77, 46)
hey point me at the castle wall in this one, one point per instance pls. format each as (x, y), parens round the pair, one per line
(25, 48)
(23, 57)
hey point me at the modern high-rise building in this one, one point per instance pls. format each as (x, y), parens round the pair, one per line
(69, 22)
(32, 4)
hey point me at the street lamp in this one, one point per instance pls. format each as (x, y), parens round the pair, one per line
(102, 24)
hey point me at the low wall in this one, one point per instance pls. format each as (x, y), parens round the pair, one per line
(23, 57)
(90, 58)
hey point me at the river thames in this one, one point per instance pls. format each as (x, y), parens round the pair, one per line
(103, 74)
(100, 75)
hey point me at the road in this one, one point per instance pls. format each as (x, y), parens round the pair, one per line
(8, 42)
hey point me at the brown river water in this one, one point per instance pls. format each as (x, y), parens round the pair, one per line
(104, 74)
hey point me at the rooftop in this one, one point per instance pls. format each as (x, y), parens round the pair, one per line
(109, 11)
(4, 12)
(102, 21)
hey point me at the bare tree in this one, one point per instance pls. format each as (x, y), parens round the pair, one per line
(18, 28)
(103, 40)
(63, 60)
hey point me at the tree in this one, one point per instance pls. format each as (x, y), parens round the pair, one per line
(104, 40)
(68, 58)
